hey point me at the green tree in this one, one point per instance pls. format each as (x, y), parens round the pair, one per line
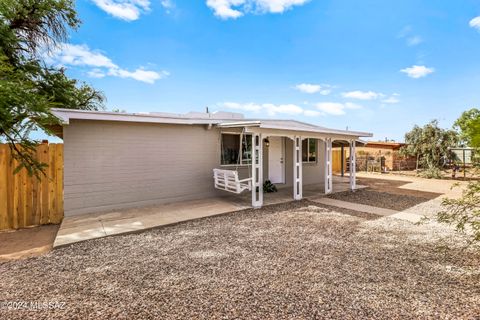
(468, 126)
(28, 87)
(414, 144)
(431, 145)
(464, 212)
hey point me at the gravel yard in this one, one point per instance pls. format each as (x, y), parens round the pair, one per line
(295, 260)
(380, 199)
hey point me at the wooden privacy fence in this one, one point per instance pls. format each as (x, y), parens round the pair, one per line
(26, 200)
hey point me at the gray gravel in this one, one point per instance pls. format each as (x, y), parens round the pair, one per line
(297, 260)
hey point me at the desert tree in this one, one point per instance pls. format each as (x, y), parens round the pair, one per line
(29, 87)
(464, 212)
(431, 146)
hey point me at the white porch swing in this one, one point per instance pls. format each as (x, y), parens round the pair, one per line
(228, 180)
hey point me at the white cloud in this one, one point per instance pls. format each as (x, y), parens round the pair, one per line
(350, 105)
(362, 95)
(336, 108)
(475, 23)
(393, 99)
(312, 113)
(139, 74)
(83, 56)
(168, 5)
(96, 73)
(232, 9)
(223, 8)
(79, 55)
(270, 108)
(333, 108)
(405, 31)
(413, 41)
(417, 71)
(323, 89)
(127, 10)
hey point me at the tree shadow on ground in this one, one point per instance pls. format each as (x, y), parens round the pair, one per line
(386, 194)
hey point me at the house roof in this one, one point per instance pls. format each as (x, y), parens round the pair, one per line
(291, 125)
(220, 119)
(384, 145)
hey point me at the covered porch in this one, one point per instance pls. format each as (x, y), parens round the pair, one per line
(295, 171)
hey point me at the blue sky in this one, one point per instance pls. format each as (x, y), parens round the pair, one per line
(374, 65)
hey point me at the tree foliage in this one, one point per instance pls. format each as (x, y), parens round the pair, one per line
(28, 87)
(464, 213)
(431, 145)
(468, 126)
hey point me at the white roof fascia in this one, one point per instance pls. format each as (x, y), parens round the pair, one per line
(319, 130)
(304, 134)
(66, 115)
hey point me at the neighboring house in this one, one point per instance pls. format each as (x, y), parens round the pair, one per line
(388, 153)
(377, 155)
(120, 160)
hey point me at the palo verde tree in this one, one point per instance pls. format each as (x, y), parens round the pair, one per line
(29, 88)
(431, 145)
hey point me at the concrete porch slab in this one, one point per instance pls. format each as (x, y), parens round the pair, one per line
(90, 226)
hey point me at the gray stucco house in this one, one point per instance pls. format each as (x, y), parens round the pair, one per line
(120, 160)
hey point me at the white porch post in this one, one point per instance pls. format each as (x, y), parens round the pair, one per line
(297, 168)
(328, 166)
(353, 169)
(257, 170)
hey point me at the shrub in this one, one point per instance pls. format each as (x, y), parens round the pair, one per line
(464, 213)
(432, 173)
(269, 187)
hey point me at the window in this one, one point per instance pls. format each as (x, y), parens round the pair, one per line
(309, 150)
(231, 148)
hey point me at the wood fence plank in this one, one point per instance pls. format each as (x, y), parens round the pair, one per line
(4, 158)
(51, 183)
(26, 200)
(21, 175)
(35, 218)
(28, 213)
(16, 192)
(10, 189)
(59, 183)
(44, 187)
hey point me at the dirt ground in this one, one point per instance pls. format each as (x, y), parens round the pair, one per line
(411, 185)
(292, 261)
(27, 242)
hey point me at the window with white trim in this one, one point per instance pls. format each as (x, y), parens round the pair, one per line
(309, 150)
(231, 151)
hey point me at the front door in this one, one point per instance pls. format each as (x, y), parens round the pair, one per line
(276, 160)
